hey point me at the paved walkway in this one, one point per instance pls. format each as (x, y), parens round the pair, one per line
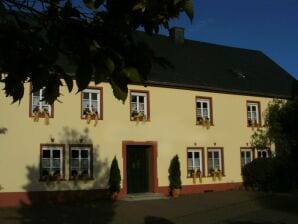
(230, 207)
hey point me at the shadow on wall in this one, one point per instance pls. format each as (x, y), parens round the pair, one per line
(3, 130)
(81, 203)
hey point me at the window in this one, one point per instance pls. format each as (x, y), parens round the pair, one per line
(139, 105)
(246, 156)
(253, 114)
(263, 153)
(51, 162)
(194, 161)
(92, 103)
(204, 110)
(38, 106)
(80, 161)
(215, 160)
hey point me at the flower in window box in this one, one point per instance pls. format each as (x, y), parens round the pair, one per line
(46, 115)
(212, 174)
(198, 174)
(200, 120)
(206, 122)
(36, 115)
(91, 114)
(138, 116)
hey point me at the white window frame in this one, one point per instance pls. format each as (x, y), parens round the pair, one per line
(41, 104)
(199, 111)
(89, 101)
(212, 166)
(192, 167)
(138, 95)
(261, 151)
(250, 112)
(51, 168)
(245, 160)
(80, 148)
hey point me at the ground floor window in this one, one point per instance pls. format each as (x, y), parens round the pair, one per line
(246, 156)
(263, 153)
(194, 161)
(52, 162)
(80, 161)
(215, 160)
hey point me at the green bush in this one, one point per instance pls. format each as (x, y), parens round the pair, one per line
(115, 177)
(175, 173)
(270, 174)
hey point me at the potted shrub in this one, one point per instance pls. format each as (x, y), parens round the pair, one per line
(114, 180)
(175, 176)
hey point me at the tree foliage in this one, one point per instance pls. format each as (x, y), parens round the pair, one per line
(46, 41)
(175, 173)
(281, 123)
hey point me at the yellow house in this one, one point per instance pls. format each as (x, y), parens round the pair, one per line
(204, 109)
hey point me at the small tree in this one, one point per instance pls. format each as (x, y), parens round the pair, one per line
(175, 173)
(115, 177)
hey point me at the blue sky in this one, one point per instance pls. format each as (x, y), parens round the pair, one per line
(270, 26)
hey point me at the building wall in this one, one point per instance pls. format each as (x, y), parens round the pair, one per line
(172, 125)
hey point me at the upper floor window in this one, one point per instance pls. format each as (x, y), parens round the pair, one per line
(204, 110)
(80, 161)
(52, 162)
(253, 113)
(215, 160)
(39, 106)
(194, 162)
(139, 105)
(92, 103)
(246, 156)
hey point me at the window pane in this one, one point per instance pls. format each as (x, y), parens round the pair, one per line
(46, 154)
(205, 105)
(45, 172)
(141, 107)
(75, 163)
(84, 164)
(216, 154)
(141, 99)
(209, 155)
(84, 153)
(56, 171)
(56, 163)
(134, 98)
(94, 96)
(46, 163)
(74, 153)
(198, 104)
(86, 96)
(56, 153)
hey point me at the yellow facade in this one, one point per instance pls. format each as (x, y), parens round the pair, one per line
(172, 125)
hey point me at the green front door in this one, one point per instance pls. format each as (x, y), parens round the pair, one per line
(137, 169)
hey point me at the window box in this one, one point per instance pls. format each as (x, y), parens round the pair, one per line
(215, 173)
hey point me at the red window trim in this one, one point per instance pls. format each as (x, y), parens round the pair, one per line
(203, 160)
(211, 108)
(222, 159)
(259, 113)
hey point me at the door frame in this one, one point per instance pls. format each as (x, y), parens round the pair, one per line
(152, 166)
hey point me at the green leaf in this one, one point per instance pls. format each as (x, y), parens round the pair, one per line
(188, 8)
(110, 65)
(83, 76)
(119, 91)
(177, 1)
(140, 5)
(132, 74)
(89, 4)
(68, 80)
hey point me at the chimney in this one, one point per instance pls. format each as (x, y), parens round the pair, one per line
(177, 34)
